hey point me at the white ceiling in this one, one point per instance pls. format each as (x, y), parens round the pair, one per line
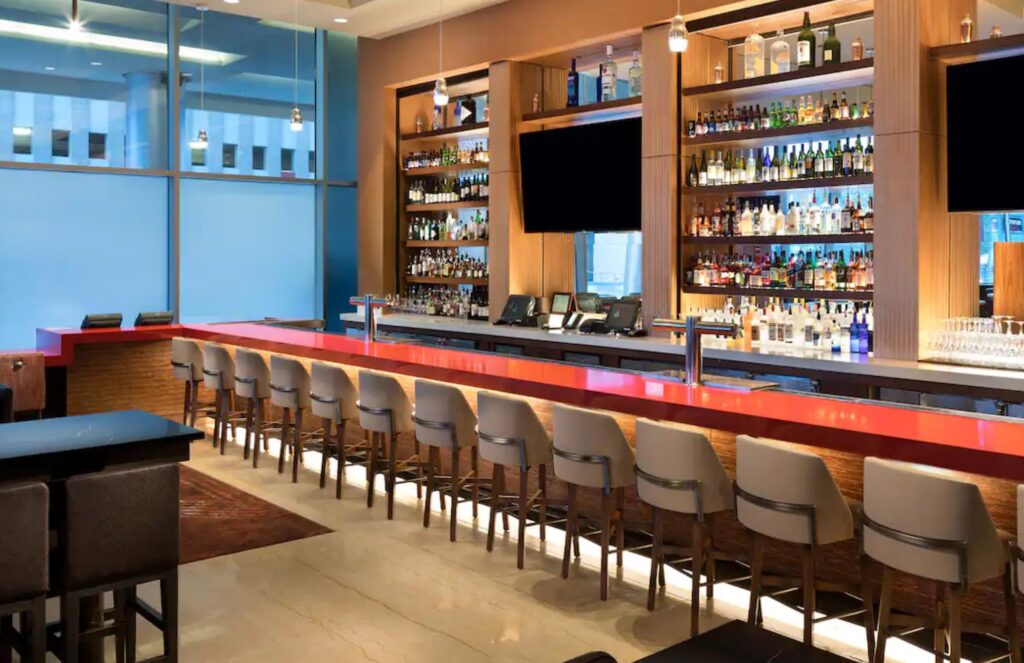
(366, 18)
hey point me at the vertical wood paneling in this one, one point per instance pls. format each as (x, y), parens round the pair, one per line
(559, 263)
(1009, 289)
(661, 94)
(965, 264)
(556, 88)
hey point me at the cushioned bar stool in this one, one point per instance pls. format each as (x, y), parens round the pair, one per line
(385, 412)
(444, 420)
(591, 451)
(932, 526)
(122, 532)
(187, 363)
(334, 400)
(252, 382)
(219, 375)
(289, 390)
(24, 570)
(511, 435)
(790, 496)
(678, 470)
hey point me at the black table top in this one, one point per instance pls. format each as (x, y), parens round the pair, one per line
(61, 447)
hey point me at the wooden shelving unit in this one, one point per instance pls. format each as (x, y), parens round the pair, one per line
(974, 51)
(441, 280)
(602, 110)
(449, 133)
(798, 81)
(441, 207)
(785, 293)
(813, 132)
(789, 185)
(844, 238)
(442, 170)
(443, 243)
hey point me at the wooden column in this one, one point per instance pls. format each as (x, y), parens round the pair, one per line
(925, 258)
(660, 168)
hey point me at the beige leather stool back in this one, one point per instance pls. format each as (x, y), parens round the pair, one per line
(218, 367)
(510, 433)
(923, 502)
(443, 417)
(252, 375)
(187, 359)
(678, 470)
(590, 449)
(333, 394)
(383, 404)
(769, 471)
(289, 383)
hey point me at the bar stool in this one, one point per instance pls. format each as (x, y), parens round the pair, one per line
(187, 364)
(591, 451)
(679, 471)
(790, 496)
(289, 390)
(219, 375)
(511, 435)
(385, 412)
(933, 526)
(252, 382)
(334, 400)
(444, 420)
(122, 532)
(24, 569)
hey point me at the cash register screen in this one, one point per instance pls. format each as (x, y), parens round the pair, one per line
(622, 316)
(560, 303)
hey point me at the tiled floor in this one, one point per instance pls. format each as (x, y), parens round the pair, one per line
(376, 590)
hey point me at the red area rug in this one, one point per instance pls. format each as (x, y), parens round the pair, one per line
(219, 519)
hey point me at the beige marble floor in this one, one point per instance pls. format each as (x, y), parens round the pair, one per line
(376, 590)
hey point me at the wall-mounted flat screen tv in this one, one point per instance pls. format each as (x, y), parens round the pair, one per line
(981, 171)
(584, 177)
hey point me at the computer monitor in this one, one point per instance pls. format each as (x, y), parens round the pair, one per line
(622, 316)
(154, 318)
(97, 320)
(560, 302)
(588, 302)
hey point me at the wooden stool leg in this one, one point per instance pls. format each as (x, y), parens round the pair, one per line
(194, 403)
(474, 464)
(868, 601)
(652, 585)
(570, 529)
(297, 445)
(441, 497)
(697, 554)
(248, 428)
(131, 626)
(6, 647)
(497, 486)
(1012, 633)
(543, 479)
(453, 491)
(371, 467)
(939, 632)
(431, 466)
(606, 525)
(285, 425)
(419, 468)
(169, 611)
(120, 615)
(620, 529)
(392, 459)
(756, 566)
(524, 477)
(810, 596)
(339, 431)
(188, 393)
(259, 433)
(216, 417)
(884, 610)
(231, 407)
(37, 630)
(225, 415)
(955, 623)
(69, 616)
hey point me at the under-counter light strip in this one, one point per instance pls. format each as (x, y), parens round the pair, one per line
(99, 40)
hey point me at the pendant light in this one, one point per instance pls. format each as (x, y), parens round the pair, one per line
(201, 141)
(440, 85)
(75, 25)
(678, 38)
(296, 123)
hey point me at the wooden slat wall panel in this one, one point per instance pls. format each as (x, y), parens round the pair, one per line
(1009, 290)
(559, 263)
(556, 88)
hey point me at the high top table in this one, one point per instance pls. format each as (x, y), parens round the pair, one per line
(53, 450)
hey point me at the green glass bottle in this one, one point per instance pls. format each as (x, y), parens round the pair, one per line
(833, 50)
(805, 45)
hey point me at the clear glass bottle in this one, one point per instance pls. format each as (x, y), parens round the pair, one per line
(609, 76)
(780, 54)
(636, 76)
(719, 73)
(753, 56)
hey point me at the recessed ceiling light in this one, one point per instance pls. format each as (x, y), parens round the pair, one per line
(96, 63)
(48, 68)
(231, 2)
(341, 20)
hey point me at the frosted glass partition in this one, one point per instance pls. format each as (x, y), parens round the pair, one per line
(248, 250)
(77, 243)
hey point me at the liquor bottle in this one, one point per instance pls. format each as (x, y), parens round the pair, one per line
(844, 108)
(693, 178)
(833, 50)
(780, 54)
(858, 157)
(774, 167)
(635, 76)
(847, 170)
(869, 157)
(805, 45)
(573, 86)
(703, 172)
(609, 75)
(753, 56)
(828, 161)
(719, 74)
(857, 49)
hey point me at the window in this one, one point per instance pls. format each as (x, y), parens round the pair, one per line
(228, 157)
(22, 140)
(97, 145)
(997, 228)
(312, 162)
(60, 143)
(244, 97)
(608, 263)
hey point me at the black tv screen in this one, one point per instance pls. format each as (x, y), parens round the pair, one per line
(582, 178)
(980, 177)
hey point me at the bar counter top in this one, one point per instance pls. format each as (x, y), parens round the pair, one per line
(988, 446)
(793, 357)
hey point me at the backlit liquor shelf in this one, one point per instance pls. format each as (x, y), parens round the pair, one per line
(784, 293)
(841, 238)
(441, 207)
(452, 168)
(835, 130)
(769, 187)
